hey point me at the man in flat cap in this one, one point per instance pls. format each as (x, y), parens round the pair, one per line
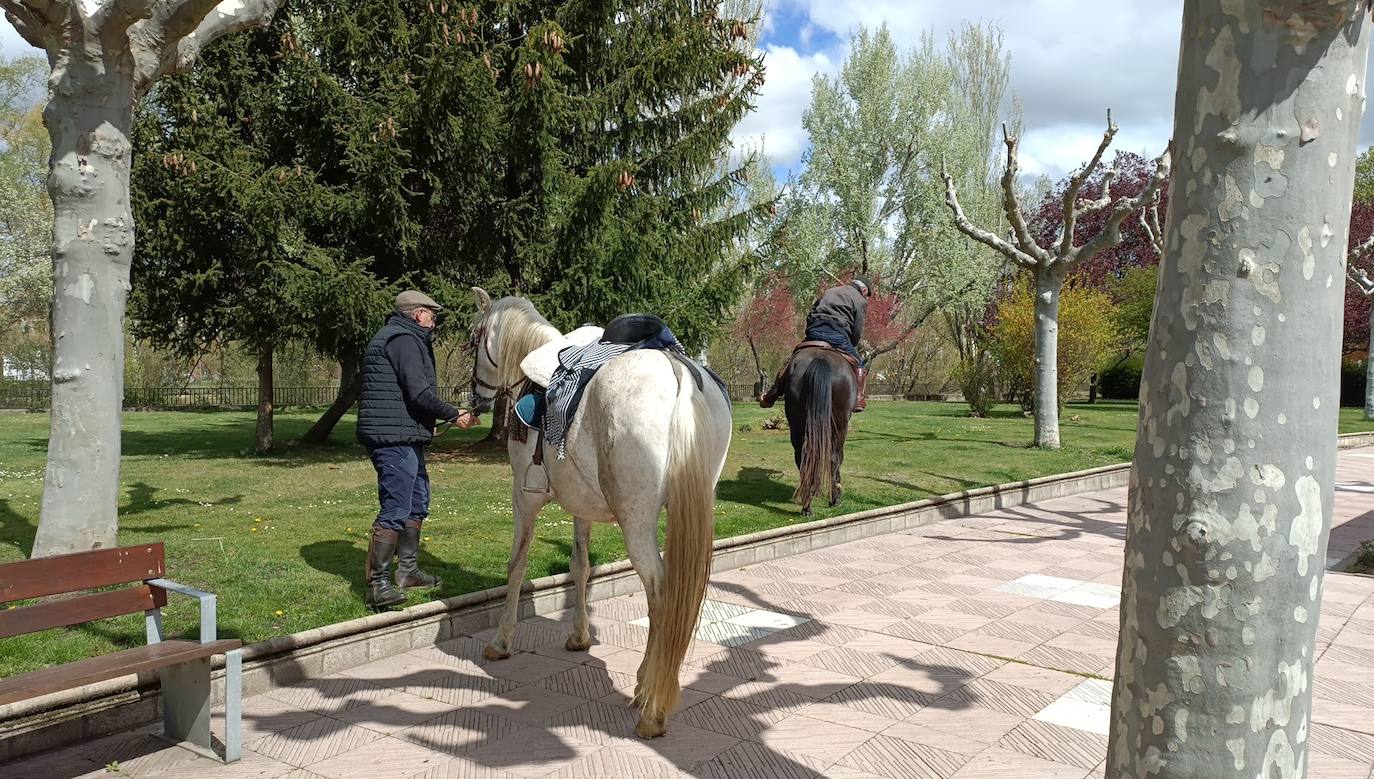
(397, 411)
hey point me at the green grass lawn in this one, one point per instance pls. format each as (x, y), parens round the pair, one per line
(281, 538)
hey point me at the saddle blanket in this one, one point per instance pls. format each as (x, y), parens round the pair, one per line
(561, 370)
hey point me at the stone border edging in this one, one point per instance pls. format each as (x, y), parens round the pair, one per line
(116, 705)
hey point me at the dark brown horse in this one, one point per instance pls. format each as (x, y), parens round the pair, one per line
(820, 395)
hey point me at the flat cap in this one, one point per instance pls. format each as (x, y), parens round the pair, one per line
(412, 299)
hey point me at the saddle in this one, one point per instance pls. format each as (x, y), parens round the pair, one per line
(853, 363)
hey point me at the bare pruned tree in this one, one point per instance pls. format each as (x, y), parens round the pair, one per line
(1050, 265)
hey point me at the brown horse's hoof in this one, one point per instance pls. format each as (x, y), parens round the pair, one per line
(647, 729)
(494, 654)
(576, 644)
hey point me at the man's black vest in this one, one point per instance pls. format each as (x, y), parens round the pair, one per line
(384, 417)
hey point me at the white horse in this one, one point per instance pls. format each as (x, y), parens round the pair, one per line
(644, 437)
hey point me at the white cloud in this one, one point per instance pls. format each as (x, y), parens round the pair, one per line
(776, 123)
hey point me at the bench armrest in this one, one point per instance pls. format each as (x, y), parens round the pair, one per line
(208, 632)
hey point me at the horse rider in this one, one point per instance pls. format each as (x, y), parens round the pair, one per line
(397, 411)
(837, 318)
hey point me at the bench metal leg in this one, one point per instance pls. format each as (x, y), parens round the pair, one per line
(186, 703)
(233, 705)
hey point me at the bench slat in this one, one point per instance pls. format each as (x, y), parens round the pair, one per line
(112, 666)
(43, 576)
(83, 608)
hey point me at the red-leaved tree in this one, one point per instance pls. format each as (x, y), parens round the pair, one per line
(1356, 303)
(769, 323)
(1131, 175)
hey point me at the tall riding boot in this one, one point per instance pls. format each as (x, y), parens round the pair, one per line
(380, 549)
(408, 573)
(862, 375)
(767, 399)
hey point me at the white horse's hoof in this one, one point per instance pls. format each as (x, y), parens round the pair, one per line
(576, 644)
(647, 728)
(492, 653)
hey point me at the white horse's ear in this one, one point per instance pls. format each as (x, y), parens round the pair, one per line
(482, 298)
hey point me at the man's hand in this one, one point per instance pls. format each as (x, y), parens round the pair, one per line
(466, 420)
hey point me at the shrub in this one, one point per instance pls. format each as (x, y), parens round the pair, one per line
(1121, 382)
(1087, 336)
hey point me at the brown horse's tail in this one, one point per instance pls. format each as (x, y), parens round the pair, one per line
(817, 445)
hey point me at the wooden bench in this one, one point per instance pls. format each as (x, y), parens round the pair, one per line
(183, 666)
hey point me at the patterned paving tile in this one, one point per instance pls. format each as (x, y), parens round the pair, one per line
(823, 741)
(611, 762)
(386, 758)
(530, 705)
(883, 699)
(888, 756)
(751, 760)
(393, 713)
(330, 695)
(1065, 660)
(1086, 707)
(1008, 698)
(962, 729)
(458, 689)
(739, 662)
(924, 632)
(894, 608)
(596, 722)
(769, 696)
(824, 632)
(731, 717)
(314, 741)
(854, 662)
(460, 731)
(1056, 744)
(726, 634)
(586, 682)
(1003, 764)
(531, 753)
(719, 611)
(462, 768)
(528, 636)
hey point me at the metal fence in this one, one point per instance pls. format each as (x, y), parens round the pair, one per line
(36, 396)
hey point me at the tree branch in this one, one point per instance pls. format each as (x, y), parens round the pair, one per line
(1149, 219)
(1011, 203)
(173, 39)
(37, 21)
(115, 18)
(977, 233)
(1086, 207)
(1071, 214)
(1110, 235)
(1361, 279)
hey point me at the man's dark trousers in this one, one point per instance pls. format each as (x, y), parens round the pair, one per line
(402, 484)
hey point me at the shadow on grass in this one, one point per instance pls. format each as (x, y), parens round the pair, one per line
(347, 559)
(759, 487)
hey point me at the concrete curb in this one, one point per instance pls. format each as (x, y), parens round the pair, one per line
(122, 704)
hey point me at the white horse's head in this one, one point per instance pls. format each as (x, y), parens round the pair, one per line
(503, 333)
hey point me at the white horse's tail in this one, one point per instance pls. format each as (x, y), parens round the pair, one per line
(693, 450)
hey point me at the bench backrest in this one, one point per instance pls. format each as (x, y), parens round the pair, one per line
(60, 574)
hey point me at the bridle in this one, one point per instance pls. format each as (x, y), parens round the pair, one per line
(475, 346)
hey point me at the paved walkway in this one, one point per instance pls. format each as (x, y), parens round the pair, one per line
(879, 658)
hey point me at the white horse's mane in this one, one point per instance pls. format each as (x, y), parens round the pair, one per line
(522, 329)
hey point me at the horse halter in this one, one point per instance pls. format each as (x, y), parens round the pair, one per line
(475, 345)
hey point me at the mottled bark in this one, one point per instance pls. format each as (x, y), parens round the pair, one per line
(103, 55)
(1232, 481)
(262, 437)
(93, 242)
(1051, 265)
(1047, 287)
(350, 386)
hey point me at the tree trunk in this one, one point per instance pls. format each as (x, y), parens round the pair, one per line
(1233, 476)
(88, 119)
(1369, 370)
(1047, 286)
(262, 441)
(350, 385)
(1092, 388)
